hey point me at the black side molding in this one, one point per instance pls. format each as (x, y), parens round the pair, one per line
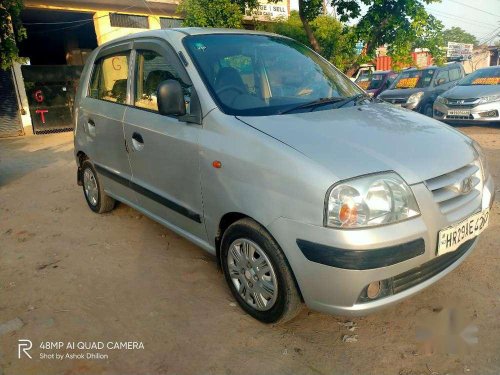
(361, 259)
(149, 194)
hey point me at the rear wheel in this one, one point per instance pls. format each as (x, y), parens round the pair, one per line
(93, 190)
(258, 273)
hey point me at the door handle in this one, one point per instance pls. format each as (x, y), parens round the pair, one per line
(91, 127)
(137, 141)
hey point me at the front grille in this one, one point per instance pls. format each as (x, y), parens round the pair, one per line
(395, 100)
(429, 269)
(454, 190)
(417, 275)
(462, 103)
(456, 117)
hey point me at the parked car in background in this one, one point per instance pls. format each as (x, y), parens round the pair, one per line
(376, 82)
(417, 89)
(302, 186)
(476, 98)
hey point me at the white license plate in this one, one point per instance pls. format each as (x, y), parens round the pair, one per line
(458, 112)
(452, 237)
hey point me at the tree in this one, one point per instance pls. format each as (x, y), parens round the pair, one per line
(397, 23)
(337, 41)
(211, 13)
(216, 13)
(458, 35)
(11, 32)
(308, 11)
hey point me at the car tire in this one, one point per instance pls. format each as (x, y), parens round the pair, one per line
(258, 274)
(96, 198)
(428, 110)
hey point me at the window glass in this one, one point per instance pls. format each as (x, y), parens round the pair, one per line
(109, 79)
(443, 75)
(410, 79)
(370, 81)
(486, 76)
(259, 75)
(455, 74)
(151, 70)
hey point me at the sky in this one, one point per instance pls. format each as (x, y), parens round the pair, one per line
(452, 13)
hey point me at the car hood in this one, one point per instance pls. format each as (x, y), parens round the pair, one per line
(371, 138)
(469, 92)
(400, 93)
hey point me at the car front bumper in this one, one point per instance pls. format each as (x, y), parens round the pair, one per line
(484, 113)
(336, 284)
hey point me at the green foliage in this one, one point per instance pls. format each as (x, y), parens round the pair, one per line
(211, 13)
(337, 42)
(401, 24)
(11, 32)
(458, 35)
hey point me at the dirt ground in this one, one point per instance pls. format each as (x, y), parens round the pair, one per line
(69, 275)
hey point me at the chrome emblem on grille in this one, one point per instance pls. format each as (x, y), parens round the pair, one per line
(466, 185)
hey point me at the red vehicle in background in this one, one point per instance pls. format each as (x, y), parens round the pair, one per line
(376, 82)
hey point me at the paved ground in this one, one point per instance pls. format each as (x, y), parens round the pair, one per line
(69, 275)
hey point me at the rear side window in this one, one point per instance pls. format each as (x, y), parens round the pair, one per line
(150, 71)
(109, 79)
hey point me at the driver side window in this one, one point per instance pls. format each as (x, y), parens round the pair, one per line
(152, 69)
(442, 77)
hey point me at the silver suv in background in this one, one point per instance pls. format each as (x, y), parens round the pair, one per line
(476, 99)
(302, 186)
(417, 89)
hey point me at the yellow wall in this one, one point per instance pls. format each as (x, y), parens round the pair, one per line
(105, 32)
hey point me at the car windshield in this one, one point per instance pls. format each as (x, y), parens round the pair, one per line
(413, 79)
(370, 81)
(256, 75)
(490, 76)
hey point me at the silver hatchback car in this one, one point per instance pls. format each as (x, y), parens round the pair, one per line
(261, 152)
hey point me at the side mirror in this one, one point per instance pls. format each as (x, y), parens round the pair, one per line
(171, 98)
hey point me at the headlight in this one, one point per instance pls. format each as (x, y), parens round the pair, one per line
(442, 100)
(376, 199)
(415, 98)
(489, 99)
(482, 159)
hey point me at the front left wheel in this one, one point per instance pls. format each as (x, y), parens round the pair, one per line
(258, 273)
(96, 198)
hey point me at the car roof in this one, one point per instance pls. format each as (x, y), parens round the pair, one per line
(184, 31)
(432, 67)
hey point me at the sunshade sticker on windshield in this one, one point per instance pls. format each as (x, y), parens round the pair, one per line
(487, 81)
(407, 83)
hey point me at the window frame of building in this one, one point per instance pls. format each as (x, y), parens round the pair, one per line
(131, 21)
(177, 21)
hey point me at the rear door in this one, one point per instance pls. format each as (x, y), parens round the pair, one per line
(164, 153)
(102, 113)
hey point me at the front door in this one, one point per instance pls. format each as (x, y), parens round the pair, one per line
(102, 113)
(163, 150)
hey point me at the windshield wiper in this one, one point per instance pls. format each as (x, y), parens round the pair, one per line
(314, 104)
(354, 98)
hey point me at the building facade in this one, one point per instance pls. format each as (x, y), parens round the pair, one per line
(64, 32)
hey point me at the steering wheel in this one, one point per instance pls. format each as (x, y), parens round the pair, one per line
(230, 87)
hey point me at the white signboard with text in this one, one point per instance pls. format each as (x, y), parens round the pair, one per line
(457, 50)
(268, 11)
